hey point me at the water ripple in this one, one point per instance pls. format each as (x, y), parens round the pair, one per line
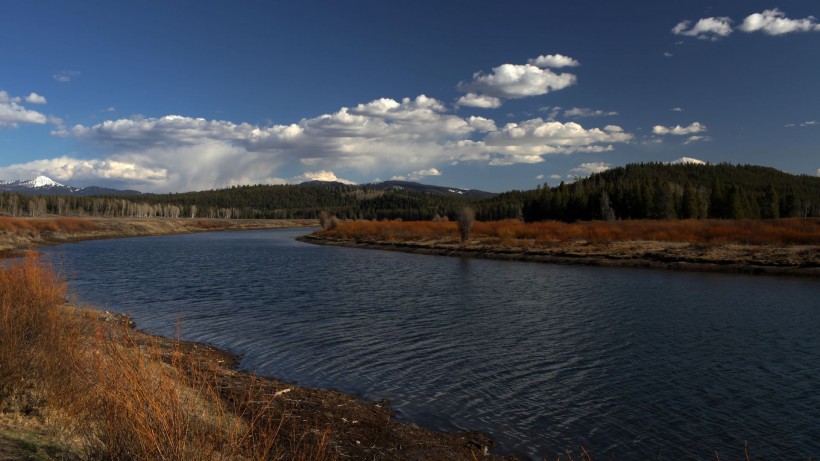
(628, 363)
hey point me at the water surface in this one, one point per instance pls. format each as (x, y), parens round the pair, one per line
(626, 362)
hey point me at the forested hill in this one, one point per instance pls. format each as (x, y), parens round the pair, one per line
(637, 191)
(684, 191)
(251, 202)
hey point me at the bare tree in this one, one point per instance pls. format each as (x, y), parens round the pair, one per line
(466, 218)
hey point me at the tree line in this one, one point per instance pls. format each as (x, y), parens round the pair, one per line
(636, 191)
(688, 191)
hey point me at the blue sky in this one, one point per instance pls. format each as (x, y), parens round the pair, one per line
(177, 95)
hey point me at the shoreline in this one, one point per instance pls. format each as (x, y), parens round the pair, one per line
(736, 259)
(16, 241)
(355, 429)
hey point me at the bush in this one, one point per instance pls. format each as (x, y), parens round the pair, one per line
(37, 337)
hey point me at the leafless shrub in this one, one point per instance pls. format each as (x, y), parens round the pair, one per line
(466, 219)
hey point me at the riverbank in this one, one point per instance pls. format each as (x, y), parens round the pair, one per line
(18, 235)
(79, 383)
(599, 244)
(301, 423)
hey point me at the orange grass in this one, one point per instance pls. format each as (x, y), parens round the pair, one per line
(35, 226)
(124, 396)
(37, 337)
(789, 231)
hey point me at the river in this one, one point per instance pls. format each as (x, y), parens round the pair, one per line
(629, 363)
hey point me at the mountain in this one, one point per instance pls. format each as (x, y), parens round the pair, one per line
(409, 186)
(43, 185)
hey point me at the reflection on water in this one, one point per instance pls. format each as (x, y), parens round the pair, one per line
(625, 362)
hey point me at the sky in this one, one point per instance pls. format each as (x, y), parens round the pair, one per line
(174, 96)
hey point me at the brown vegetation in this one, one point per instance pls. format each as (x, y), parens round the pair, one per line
(21, 234)
(124, 395)
(778, 246)
(81, 384)
(791, 231)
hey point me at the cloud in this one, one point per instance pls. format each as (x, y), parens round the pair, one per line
(527, 141)
(321, 175)
(476, 100)
(66, 76)
(668, 54)
(696, 138)
(553, 60)
(775, 22)
(540, 176)
(74, 169)
(705, 29)
(481, 124)
(676, 109)
(12, 113)
(586, 169)
(584, 112)
(383, 137)
(417, 175)
(513, 81)
(35, 98)
(678, 130)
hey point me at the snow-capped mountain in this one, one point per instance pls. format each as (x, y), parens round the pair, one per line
(43, 185)
(685, 160)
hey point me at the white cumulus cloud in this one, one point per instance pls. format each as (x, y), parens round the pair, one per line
(477, 100)
(695, 127)
(384, 137)
(705, 29)
(512, 81)
(553, 60)
(775, 22)
(35, 98)
(527, 141)
(12, 113)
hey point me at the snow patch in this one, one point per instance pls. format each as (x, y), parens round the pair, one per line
(42, 181)
(685, 160)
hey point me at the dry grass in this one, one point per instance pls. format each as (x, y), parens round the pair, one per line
(124, 397)
(24, 225)
(791, 231)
